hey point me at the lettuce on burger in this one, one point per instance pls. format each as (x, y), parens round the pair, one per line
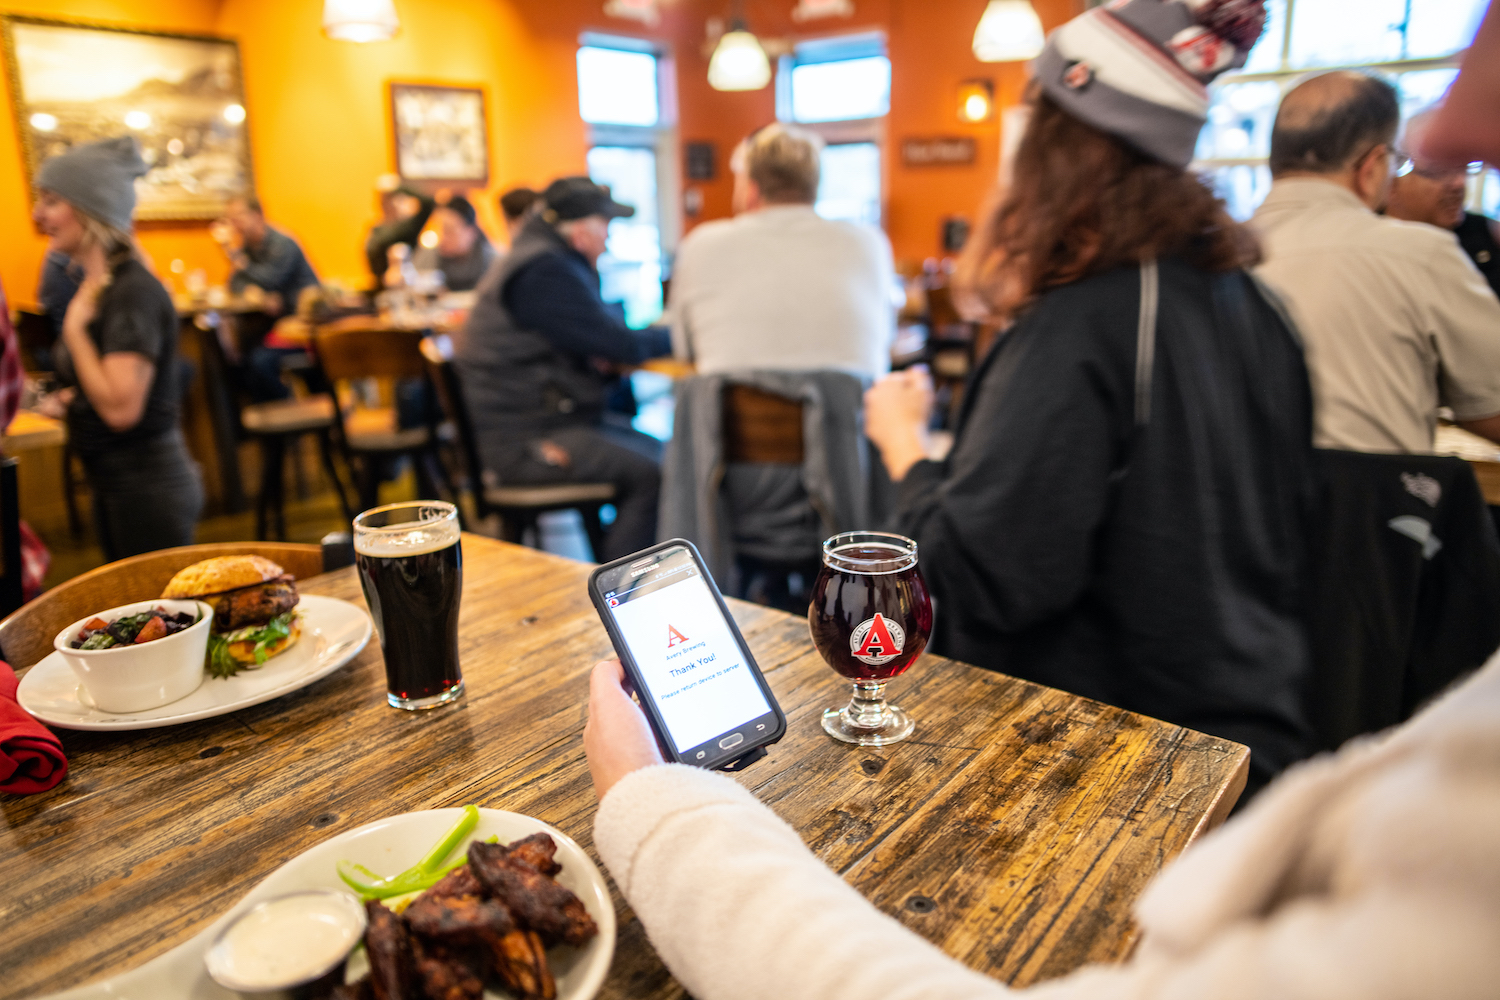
(254, 604)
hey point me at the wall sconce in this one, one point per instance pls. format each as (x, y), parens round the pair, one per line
(360, 20)
(976, 101)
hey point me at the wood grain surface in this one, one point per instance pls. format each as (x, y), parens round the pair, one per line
(1014, 829)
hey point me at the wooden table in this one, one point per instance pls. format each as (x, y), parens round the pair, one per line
(1031, 817)
(29, 429)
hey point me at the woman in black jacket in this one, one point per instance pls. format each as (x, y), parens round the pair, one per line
(118, 355)
(1123, 513)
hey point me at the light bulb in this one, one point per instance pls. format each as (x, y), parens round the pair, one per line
(739, 63)
(360, 20)
(1009, 31)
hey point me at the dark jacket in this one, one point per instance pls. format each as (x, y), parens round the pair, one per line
(1477, 237)
(1161, 568)
(528, 349)
(1406, 596)
(276, 265)
(388, 234)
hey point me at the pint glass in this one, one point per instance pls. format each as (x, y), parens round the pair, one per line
(412, 570)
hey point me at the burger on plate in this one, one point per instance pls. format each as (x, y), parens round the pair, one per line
(254, 604)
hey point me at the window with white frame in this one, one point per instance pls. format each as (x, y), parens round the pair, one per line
(1415, 43)
(841, 88)
(632, 149)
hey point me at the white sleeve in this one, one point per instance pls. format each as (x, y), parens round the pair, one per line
(677, 305)
(739, 909)
(1465, 323)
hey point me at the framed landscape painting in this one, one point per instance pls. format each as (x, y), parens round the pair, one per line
(181, 96)
(440, 134)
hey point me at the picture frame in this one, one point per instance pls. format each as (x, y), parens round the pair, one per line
(440, 133)
(181, 95)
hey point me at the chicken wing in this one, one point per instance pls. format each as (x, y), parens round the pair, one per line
(536, 901)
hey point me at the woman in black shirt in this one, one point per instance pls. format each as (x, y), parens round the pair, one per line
(118, 355)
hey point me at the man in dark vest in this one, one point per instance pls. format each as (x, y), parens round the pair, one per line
(537, 360)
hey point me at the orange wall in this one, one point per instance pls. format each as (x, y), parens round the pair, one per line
(930, 48)
(320, 130)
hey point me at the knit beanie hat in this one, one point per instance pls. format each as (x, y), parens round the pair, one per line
(1139, 69)
(98, 177)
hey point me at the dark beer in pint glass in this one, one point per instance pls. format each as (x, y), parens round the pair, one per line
(410, 563)
(870, 619)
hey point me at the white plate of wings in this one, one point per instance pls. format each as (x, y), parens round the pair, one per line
(333, 633)
(386, 846)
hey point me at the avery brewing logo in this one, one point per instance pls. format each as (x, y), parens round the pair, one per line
(877, 640)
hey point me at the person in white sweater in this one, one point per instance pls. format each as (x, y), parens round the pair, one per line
(1372, 874)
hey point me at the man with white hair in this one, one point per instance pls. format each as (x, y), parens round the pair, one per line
(778, 287)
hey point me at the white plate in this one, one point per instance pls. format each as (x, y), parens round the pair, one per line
(333, 633)
(385, 846)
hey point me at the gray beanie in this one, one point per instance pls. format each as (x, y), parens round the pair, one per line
(1139, 69)
(98, 177)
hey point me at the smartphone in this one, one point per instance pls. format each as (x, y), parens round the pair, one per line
(694, 675)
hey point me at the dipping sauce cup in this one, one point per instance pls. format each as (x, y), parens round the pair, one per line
(292, 947)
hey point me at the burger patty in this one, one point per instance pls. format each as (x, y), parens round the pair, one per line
(253, 605)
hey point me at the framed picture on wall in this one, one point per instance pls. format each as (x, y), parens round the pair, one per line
(440, 134)
(181, 96)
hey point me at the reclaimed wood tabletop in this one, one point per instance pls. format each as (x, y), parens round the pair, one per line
(1014, 829)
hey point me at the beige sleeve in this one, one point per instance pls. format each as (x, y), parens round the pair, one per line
(1465, 324)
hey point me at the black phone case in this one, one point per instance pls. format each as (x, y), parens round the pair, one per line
(648, 700)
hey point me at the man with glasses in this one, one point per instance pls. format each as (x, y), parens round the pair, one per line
(1395, 319)
(1429, 192)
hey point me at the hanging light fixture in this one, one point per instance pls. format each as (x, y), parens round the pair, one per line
(360, 20)
(1009, 31)
(739, 62)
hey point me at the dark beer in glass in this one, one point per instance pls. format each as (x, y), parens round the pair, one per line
(411, 567)
(870, 618)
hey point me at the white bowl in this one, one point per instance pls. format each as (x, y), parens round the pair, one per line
(138, 678)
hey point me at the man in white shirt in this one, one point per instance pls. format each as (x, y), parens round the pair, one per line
(778, 287)
(1395, 318)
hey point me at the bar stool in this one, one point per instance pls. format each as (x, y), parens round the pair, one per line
(275, 424)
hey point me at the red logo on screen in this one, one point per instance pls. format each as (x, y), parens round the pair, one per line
(877, 640)
(674, 637)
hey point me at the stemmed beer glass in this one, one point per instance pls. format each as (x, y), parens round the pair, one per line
(870, 619)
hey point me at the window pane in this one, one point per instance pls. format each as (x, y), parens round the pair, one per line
(630, 270)
(1266, 56)
(1442, 27)
(1489, 193)
(840, 91)
(1336, 32)
(850, 184)
(1239, 121)
(1242, 188)
(1418, 90)
(617, 87)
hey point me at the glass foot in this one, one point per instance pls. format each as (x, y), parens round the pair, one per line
(889, 726)
(418, 704)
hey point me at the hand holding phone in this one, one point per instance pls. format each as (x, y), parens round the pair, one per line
(617, 739)
(699, 686)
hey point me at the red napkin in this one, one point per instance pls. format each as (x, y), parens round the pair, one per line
(31, 758)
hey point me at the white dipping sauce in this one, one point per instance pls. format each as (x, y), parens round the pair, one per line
(287, 941)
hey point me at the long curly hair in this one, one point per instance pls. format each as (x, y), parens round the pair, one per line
(1082, 202)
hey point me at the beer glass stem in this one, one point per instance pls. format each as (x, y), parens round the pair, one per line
(867, 709)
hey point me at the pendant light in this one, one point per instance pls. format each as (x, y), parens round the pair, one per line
(360, 20)
(1009, 31)
(739, 62)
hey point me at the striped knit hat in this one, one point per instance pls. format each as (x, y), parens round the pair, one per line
(1139, 69)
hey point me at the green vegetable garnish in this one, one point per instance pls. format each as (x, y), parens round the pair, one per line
(99, 640)
(424, 874)
(221, 664)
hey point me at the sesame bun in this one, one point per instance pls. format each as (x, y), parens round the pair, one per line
(216, 576)
(244, 652)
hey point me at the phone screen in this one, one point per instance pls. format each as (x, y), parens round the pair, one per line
(685, 652)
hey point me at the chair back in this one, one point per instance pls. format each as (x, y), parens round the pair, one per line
(437, 355)
(350, 350)
(34, 335)
(26, 635)
(760, 426)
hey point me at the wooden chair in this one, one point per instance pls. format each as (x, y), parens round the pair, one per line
(26, 635)
(274, 425)
(518, 506)
(353, 349)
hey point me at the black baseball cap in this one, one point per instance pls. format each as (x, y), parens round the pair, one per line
(571, 198)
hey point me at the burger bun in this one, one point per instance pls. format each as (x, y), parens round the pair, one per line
(243, 653)
(219, 575)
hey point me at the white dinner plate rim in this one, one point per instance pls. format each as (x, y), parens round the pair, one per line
(188, 956)
(311, 604)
